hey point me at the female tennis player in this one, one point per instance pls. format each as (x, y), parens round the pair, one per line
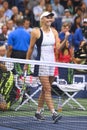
(45, 38)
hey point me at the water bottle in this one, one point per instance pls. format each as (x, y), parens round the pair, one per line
(59, 104)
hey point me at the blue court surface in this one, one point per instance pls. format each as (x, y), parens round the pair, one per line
(29, 123)
(5, 128)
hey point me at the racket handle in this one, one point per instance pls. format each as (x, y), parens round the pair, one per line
(25, 73)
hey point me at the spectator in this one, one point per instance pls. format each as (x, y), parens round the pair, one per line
(76, 3)
(16, 12)
(65, 34)
(8, 13)
(70, 6)
(76, 24)
(3, 35)
(10, 26)
(78, 13)
(38, 10)
(14, 18)
(78, 38)
(3, 19)
(3, 50)
(27, 25)
(84, 28)
(66, 53)
(29, 14)
(83, 8)
(32, 3)
(49, 8)
(17, 47)
(58, 8)
(67, 17)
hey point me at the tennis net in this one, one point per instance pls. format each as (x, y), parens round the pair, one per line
(24, 87)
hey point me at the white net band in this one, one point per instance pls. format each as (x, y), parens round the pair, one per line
(46, 63)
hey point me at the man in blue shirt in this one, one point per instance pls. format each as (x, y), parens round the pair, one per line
(18, 41)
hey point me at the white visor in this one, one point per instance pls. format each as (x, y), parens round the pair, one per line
(46, 13)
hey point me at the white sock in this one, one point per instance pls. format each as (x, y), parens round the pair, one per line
(38, 112)
(53, 111)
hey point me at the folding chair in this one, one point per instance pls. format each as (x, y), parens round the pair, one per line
(29, 81)
(71, 90)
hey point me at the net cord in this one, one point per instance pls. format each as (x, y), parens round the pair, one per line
(46, 63)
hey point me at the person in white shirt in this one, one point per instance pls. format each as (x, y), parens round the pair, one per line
(67, 18)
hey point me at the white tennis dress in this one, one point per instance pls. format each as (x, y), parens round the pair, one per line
(47, 54)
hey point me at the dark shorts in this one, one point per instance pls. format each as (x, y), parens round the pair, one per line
(18, 54)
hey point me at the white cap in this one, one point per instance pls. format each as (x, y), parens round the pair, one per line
(85, 20)
(46, 13)
(66, 10)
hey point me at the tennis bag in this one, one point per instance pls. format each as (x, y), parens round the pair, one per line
(8, 91)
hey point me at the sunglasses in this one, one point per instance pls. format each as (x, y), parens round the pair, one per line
(49, 17)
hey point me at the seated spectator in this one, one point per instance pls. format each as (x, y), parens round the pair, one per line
(76, 24)
(14, 18)
(84, 28)
(49, 8)
(37, 11)
(16, 12)
(77, 35)
(83, 8)
(27, 25)
(32, 3)
(76, 3)
(10, 26)
(2, 53)
(3, 19)
(3, 35)
(58, 8)
(8, 13)
(28, 13)
(78, 12)
(66, 53)
(67, 17)
(70, 6)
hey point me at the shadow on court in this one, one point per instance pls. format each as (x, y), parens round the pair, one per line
(29, 123)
